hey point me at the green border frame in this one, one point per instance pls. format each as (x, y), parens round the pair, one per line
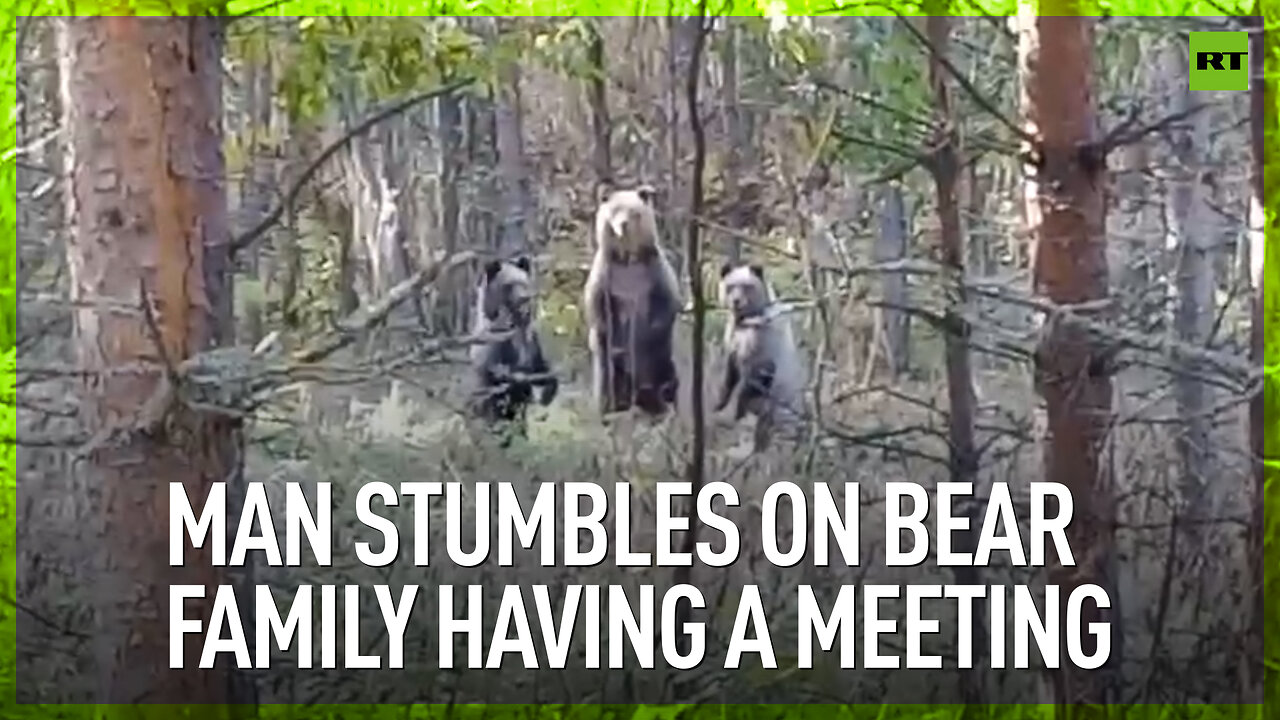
(8, 315)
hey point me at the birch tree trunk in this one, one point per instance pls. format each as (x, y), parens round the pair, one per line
(148, 211)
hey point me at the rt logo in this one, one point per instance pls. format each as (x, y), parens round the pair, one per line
(1219, 61)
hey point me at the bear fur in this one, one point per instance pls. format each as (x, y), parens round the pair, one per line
(631, 301)
(505, 305)
(762, 363)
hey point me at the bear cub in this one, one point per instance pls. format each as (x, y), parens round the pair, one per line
(506, 370)
(762, 365)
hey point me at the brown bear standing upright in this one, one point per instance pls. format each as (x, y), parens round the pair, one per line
(631, 301)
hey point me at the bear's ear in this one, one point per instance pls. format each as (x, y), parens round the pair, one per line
(757, 270)
(726, 268)
(523, 263)
(492, 268)
(647, 193)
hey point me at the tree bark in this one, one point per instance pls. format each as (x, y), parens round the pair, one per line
(1067, 220)
(148, 211)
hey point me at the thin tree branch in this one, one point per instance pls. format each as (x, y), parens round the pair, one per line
(969, 88)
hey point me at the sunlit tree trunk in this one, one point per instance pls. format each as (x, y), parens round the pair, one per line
(148, 214)
(1067, 220)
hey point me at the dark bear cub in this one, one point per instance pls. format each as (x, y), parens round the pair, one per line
(508, 367)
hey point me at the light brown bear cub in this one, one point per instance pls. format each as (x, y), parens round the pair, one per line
(762, 363)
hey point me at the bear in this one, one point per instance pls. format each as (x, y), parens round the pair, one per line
(631, 300)
(507, 368)
(762, 363)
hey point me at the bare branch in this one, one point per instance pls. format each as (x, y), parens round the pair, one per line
(368, 316)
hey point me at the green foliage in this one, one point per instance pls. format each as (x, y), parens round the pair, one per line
(565, 47)
(875, 129)
(382, 58)
(304, 86)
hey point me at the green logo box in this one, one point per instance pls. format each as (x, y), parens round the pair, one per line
(1219, 61)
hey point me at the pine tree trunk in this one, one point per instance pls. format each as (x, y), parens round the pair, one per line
(1067, 219)
(148, 212)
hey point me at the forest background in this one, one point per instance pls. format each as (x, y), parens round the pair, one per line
(834, 180)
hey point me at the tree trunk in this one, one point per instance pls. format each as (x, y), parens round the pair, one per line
(1067, 220)
(681, 34)
(482, 164)
(739, 142)
(598, 100)
(255, 185)
(1190, 230)
(256, 182)
(288, 270)
(891, 246)
(695, 470)
(945, 167)
(450, 316)
(148, 209)
(516, 209)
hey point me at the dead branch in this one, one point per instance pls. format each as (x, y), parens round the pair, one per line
(364, 318)
(1125, 133)
(1231, 366)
